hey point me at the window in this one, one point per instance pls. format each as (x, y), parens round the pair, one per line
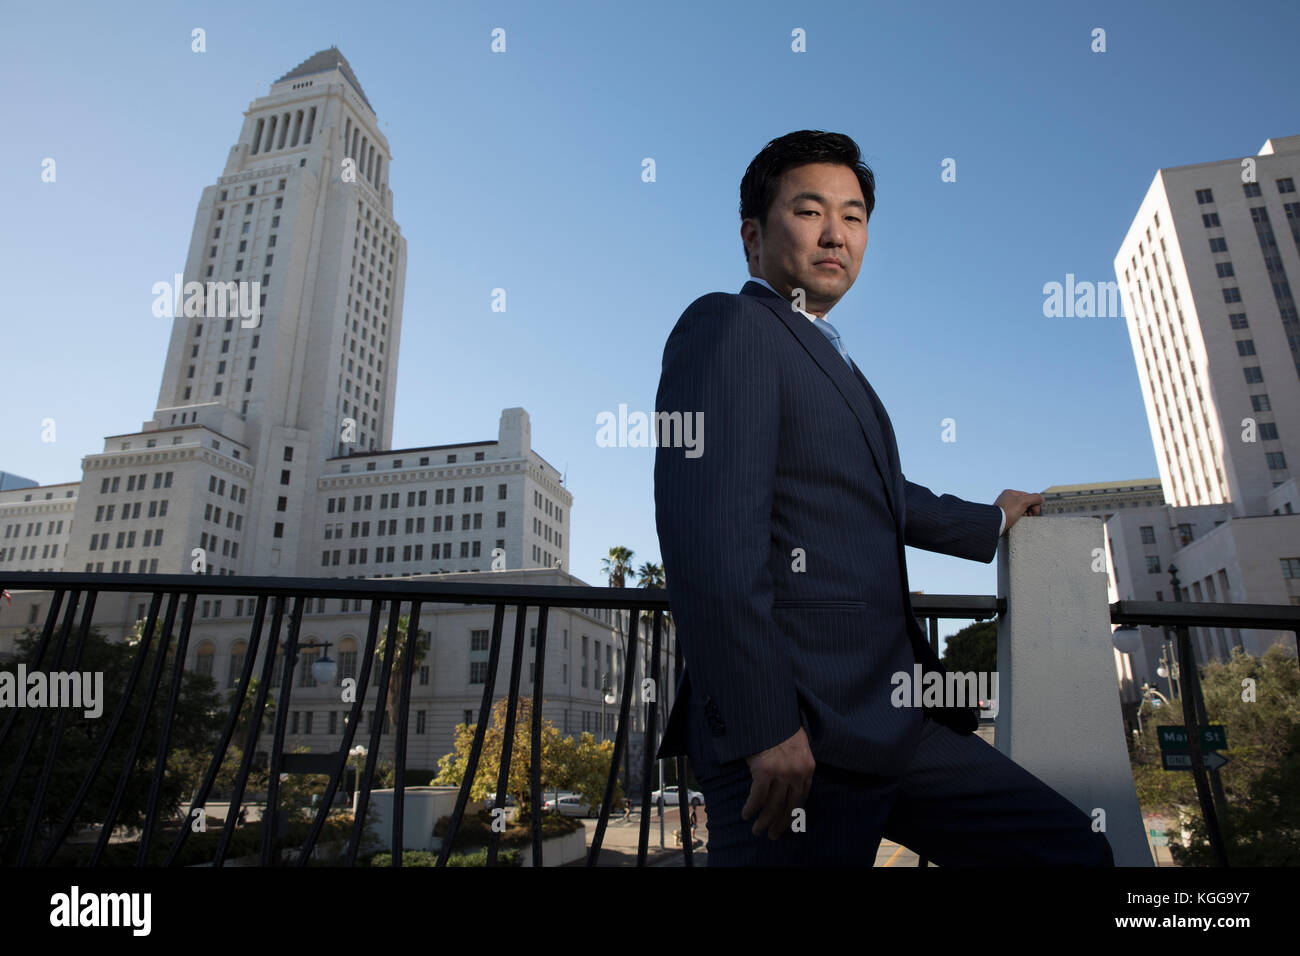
(1286, 185)
(1153, 564)
(1148, 534)
(284, 476)
(1204, 196)
(1245, 346)
(1253, 374)
(288, 453)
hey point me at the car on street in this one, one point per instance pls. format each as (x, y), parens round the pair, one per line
(669, 798)
(570, 805)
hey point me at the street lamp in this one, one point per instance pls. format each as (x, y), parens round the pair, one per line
(356, 755)
(1148, 689)
(1168, 669)
(607, 698)
(324, 668)
(1127, 639)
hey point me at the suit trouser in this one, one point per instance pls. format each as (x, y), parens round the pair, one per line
(960, 803)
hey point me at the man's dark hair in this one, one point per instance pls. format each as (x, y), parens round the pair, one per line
(758, 187)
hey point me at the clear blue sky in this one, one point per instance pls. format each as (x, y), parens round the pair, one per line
(523, 171)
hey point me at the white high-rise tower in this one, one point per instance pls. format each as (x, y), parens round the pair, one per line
(1205, 273)
(299, 225)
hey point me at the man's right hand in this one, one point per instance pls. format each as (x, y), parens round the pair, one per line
(782, 779)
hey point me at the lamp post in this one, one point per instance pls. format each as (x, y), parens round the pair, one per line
(356, 755)
(1127, 639)
(1168, 669)
(607, 697)
(324, 668)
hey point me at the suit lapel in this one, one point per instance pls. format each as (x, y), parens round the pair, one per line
(857, 397)
(895, 470)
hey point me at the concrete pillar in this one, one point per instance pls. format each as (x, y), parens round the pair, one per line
(1059, 712)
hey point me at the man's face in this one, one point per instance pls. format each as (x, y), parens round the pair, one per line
(819, 213)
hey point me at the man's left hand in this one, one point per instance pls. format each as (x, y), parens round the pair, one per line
(1018, 503)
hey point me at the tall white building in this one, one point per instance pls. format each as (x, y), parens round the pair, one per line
(299, 231)
(1204, 273)
(269, 451)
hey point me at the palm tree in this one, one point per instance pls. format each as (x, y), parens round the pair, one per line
(395, 680)
(651, 576)
(617, 567)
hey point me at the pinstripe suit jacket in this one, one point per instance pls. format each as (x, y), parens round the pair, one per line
(798, 459)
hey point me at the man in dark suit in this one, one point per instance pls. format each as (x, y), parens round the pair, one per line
(782, 537)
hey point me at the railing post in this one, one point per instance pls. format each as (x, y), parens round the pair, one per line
(1058, 709)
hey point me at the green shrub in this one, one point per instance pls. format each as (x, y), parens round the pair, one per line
(505, 857)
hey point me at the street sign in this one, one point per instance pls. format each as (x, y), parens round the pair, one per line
(1214, 737)
(1173, 737)
(1183, 761)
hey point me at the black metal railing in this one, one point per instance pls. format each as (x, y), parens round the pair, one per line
(287, 599)
(67, 623)
(1180, 617)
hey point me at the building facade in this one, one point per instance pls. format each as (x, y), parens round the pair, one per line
(1204, 272)
(269, 451)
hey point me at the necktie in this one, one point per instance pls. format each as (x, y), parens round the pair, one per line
(829, 331)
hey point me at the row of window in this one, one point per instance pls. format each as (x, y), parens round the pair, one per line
(1285, 185)
(386, 555)
(29, 552)
(145, 566)
(337, 719)
(414, 499)
(126, 539)
(161, 479)
(281, 130)
(33, 529)
(210, 542)
(361, 529)
(424, 461)
(131, 510)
